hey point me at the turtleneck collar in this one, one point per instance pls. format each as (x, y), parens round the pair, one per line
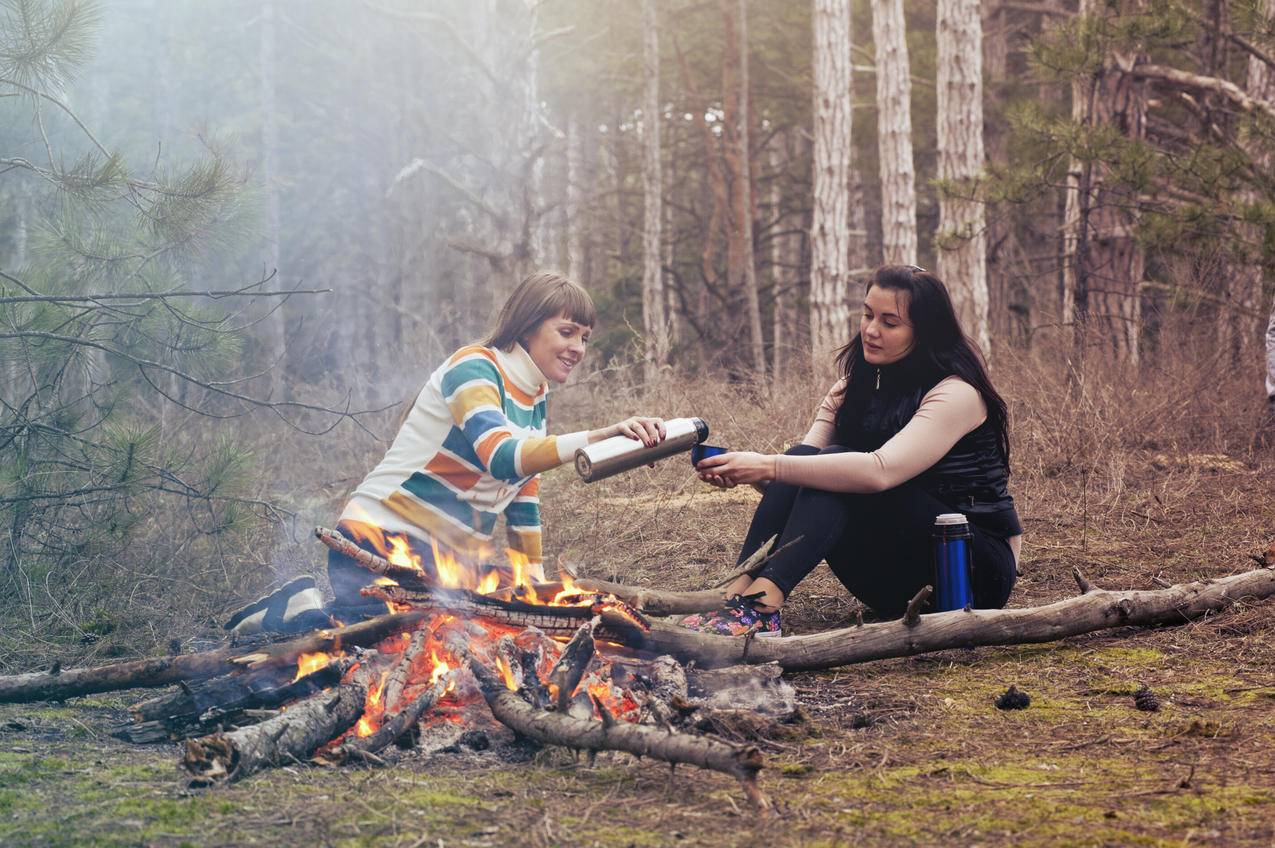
(522, 369)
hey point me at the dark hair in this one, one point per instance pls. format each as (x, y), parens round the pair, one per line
(941, 349)
(540, 296)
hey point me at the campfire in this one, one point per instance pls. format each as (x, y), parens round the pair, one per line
(460, 645)
(587, 664)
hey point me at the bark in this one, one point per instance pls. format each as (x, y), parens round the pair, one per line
(394, 726)
(162, 671)
(289, 737)
(401, 675)
(1093, 610)
(577, 264)
(831, 240)
(569, 670)
(962, 254)
(205, 706)
(654, 321)
(742, 762)
(894, 133)
(740, 258)
(1103, 265)
(785, 256)
(404, 576)
(276, 330)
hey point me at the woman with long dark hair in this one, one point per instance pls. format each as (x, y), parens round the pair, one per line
(913, 429)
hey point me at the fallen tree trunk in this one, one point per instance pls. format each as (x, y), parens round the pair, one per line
(742, 762)
(289, 737)
(1095, 609)
(58, 685)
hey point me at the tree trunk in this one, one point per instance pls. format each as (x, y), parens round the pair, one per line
(1092, 610)
(741, 267)
(894, 133)
(962, 248)
(654, 322)
(785, 256)
(830, 230)
(275, 327)
(1244, 321)
(1103, 265)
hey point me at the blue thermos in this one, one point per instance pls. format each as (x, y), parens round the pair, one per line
(953, 562)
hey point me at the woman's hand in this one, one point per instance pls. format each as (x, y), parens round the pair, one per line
(728, 470)
(648, 431)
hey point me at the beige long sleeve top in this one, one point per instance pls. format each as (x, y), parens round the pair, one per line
(947, 412)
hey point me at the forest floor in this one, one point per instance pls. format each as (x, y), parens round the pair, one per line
(906, 751)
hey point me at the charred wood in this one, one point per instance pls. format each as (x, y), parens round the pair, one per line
(204, 706)
(569, 670)
(163, 671)
(743, 762)
(401, 674)
(292, 736)
(392, 727)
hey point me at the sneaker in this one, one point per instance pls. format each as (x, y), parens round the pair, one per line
(737, 617)
(296, 607)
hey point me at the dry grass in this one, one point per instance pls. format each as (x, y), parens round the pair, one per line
(1133, 478)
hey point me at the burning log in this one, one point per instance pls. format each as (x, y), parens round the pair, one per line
(399, 677)
(292, 736)
(57, 685)
(203, 706)
(1096, 609)
(571, 666)
(742, 762)
(394, 727)
(400, 574)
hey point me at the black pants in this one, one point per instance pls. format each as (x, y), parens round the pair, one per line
(878, 545)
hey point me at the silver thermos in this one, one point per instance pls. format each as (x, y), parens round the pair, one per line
(620, 453)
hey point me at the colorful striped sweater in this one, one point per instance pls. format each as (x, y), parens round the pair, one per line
(470, 450)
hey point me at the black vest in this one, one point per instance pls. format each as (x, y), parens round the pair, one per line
(971, 478)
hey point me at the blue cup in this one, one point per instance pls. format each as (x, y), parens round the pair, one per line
(704, 452)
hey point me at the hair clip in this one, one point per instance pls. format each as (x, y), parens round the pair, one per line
(917, 269)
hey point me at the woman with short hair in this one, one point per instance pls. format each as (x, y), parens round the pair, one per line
(469, 452)
(913, 429)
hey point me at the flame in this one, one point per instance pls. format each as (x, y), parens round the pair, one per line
(506, 673)
(441, 667)
(523, 589)
(372, 708)
(450, 572)
(489, 583)
(401, 554)
(384, 581)
(310, 663)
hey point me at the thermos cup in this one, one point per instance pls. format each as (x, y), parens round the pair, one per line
(953, 562)
(620, 453)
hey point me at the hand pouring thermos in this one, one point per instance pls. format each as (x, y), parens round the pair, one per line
(620, 453)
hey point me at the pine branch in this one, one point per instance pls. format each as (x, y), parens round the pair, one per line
(1198, 82)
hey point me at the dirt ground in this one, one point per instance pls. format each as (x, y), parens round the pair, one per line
(895, 752)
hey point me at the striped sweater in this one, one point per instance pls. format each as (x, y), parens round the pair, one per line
(470, 450)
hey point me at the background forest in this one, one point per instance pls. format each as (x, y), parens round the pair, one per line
(228, 226)
(235, 235)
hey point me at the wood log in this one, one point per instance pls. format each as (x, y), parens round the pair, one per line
(402, 575)
(743, 762)
(567, 672)
(1096, 609)
(393, 726)
(291, 736)
(399, 677)
(203, 706)
(66, 683)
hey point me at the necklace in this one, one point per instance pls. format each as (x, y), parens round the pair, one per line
(878, 379)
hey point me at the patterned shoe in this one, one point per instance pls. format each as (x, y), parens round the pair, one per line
(737, 617)
(297, 607)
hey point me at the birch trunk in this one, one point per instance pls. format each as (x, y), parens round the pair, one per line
(830, 236)
(962, 248)
(1102, 263)
(1244, 318)
(654, 323)
(894, 133)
